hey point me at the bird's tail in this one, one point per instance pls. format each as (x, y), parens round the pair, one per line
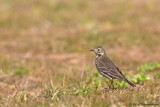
(131, 84)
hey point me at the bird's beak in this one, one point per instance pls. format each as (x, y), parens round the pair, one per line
(91, 50)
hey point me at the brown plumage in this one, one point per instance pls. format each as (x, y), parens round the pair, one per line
(106, 67)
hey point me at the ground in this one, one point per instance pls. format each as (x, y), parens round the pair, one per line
(45, 58)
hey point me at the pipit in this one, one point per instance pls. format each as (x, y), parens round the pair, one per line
(106, 67)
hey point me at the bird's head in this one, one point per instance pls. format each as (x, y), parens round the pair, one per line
(99, 51)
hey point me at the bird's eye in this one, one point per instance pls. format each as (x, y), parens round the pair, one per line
(98, 49)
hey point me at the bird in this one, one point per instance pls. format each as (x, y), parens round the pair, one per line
(106, 67)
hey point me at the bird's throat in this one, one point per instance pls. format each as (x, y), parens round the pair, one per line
(98, 55)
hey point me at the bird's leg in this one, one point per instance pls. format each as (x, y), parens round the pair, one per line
(109, 84)
(111, 81)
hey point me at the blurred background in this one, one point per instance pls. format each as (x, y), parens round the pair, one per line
(41, 40)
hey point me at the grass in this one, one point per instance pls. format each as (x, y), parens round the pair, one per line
(45, 59)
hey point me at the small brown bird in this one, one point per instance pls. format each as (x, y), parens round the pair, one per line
(106, 67)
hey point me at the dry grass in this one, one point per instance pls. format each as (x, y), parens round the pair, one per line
(44, 57)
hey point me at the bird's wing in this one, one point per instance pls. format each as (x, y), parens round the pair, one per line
(110, 69)
(119, 70)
